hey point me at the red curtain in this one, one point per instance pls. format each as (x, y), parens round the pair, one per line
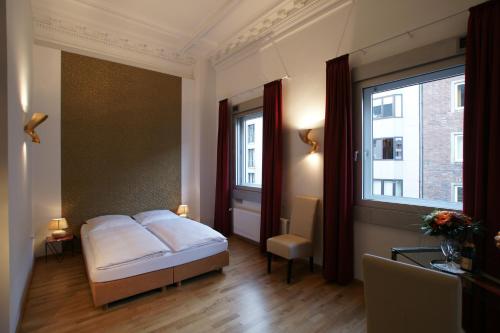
(222, 218)
(482, 127)
(271, 163)
(481, 178)
(338, 174)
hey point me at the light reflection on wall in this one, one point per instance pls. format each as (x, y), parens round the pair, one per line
(23, 90)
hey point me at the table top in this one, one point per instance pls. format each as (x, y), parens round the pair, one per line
(51, 239)
(422, 256)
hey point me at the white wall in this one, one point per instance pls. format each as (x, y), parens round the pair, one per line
(19, 78)
(190, 151)
(46, 157)
(207, 108)
(304, 54)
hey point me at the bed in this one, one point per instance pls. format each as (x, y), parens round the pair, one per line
(158, 270)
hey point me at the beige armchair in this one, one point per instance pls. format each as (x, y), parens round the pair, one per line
(406, 298)
(298, 243)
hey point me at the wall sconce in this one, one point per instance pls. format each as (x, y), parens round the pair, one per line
(306, 136)
(36, 119)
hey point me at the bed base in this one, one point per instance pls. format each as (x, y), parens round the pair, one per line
(110, 291)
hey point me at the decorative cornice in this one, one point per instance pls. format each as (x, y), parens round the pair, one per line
(280, 19)
(48, 28)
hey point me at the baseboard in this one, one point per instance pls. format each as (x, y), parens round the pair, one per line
(24, 298)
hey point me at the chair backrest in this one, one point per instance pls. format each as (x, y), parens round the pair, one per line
(303, 216)
(406, 298)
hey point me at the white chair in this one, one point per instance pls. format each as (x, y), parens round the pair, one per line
(410, 299)
(298, 243)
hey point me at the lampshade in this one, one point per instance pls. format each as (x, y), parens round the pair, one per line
(183, 210)
(58, 224)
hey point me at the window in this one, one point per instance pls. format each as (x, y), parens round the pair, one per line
(412, 147)
(458, 95)
(389, 187)
(251, 178)
(251, 133)
(251, 163)
(387, 106)
(248, 148)
(457, 192)
(388, 149)
(457, 147)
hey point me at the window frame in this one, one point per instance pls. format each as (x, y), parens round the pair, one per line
(454, 95)
(251, 193)
(410, 76)
(393, 149)
(454, 191)
(453, 145)
(393, 96)
(394, 181)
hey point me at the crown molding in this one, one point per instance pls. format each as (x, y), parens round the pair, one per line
(76, 35)
(288, 17)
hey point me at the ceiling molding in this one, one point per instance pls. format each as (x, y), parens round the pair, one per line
(78, 35)
(282, 19)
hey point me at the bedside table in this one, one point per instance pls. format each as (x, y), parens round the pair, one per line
(50, 245)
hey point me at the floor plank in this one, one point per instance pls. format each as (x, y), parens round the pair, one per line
(244, 298)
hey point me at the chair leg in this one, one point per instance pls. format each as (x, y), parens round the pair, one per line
(269, 260)
(311, 264)
(289, 273)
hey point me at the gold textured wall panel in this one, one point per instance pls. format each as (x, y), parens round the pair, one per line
(120, 139)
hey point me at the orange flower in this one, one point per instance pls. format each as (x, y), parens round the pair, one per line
(443, 218)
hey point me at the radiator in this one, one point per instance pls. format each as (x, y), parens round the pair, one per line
(246, 223)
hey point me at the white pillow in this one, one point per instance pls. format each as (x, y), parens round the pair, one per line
(109, 221)
(147, 217)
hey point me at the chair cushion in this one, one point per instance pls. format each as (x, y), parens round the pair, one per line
(289, 246)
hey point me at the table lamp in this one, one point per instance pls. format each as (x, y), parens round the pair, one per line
(58, 225)
(183, 210)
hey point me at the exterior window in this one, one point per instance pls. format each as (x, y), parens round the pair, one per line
(251, 133)
(457, 192)
(387, 107)
(251, 178)
(251, 152)
(388, 187)
(458, 95)
(248, 149)
(407, 126)
(457, 147)
(388, 149)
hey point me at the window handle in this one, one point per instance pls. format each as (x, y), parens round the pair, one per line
(356, 153)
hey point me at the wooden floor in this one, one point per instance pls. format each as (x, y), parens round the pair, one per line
(244, 298)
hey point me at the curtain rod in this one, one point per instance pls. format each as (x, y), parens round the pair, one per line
(409, 32)
(286, 77)
(363, 49)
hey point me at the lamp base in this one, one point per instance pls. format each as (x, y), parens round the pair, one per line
(59, 233)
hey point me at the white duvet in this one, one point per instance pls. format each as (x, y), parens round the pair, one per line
(125, 244)
(182, 234)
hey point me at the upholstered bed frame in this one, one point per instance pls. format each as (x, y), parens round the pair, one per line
(104, 293)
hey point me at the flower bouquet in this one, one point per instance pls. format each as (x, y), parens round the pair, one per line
(458, 230)
(450, 224)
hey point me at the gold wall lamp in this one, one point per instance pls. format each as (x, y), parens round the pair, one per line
(306, 136)
(36, 119)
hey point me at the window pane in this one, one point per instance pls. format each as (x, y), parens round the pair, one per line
(248, 153)
(460, 95)
(377, 187)
(413, 146)
(388, 149)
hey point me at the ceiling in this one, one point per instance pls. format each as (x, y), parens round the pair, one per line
(168, 35)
